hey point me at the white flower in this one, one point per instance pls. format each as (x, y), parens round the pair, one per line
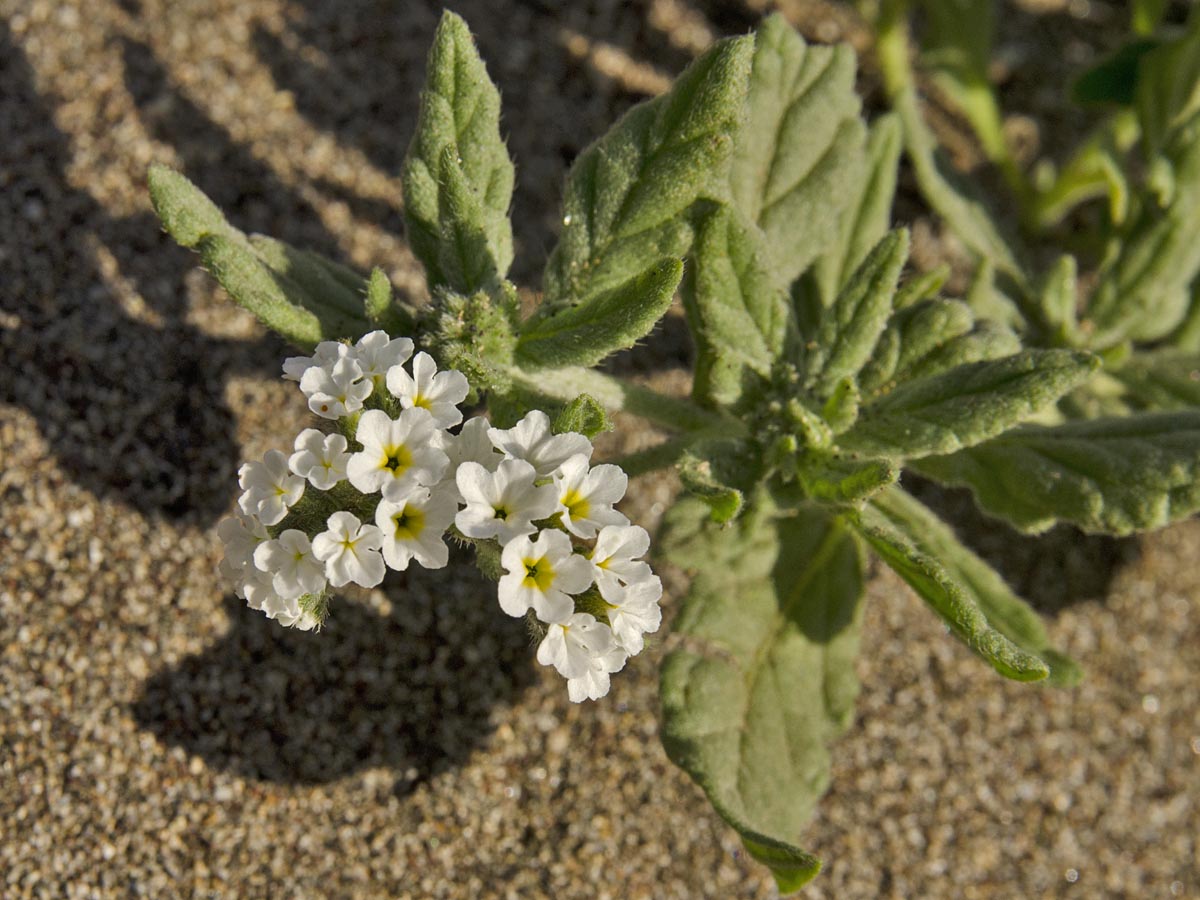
(270, 488)
(614, 557)
(586, 496)
(320, 458)
(531, 440)
(326, 354)
(260, 595)
(336, 391)
(290, 562)
(471, 444)
(585, 653)
(541, 576)
(397, 454)
(241, 534)
(427, 388)
(414, 527)
(376, 353)
(350, 551)
(633, 611)
(501, 504)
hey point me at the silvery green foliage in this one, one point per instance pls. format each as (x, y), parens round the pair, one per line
(1140, 165)
(755, 189)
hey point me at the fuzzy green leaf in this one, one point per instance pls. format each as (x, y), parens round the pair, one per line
(931, 337)
(965, 405)
(458, 179)
(797, 162)
(1112, 475)
(263, 293)
(724, 502)
(296, 293)
(849, 329)
(953, 197)
(765, 677)
(1168, 87)
(846, 481)
(736, 311)
(1114, 79)
(584, 334)
(1162, 380)
(628, 196)
(381, 307)
(583, 415)
(865, 220)
(958, 585)
(1143, 294)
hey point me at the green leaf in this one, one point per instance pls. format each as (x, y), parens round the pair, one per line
(628, 195)
(865, 220)
(922, 286)
(458, 179)
(1114, 78)
(954, 582)
(1096, 169)
(257, 289)
(1111, 475)
(737, 313)
(1143, 293)
(186, 213)
(931, 337)
(965, 405)
(298, 294)
(957, 43)
(724, 502)
(849, 329)
(846, 481)
(1058, 298)
(324, 281)
(1145, 15)
(765, 678)
(797, 165)
(953, 197)
(1168, 87)
(381, 307)
(583, 415)
(584, 334)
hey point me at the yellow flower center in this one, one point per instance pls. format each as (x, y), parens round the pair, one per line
(409, 522)
(396, 459)
(538, 574)
(423, 402)
(577, 505)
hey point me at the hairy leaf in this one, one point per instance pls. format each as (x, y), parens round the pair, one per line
(458, 179)
(849, 329)
(764, 679)
(1111, 475)
(931, 337)
(867, 215)
(965, 405)
(1143, 294)
(298, 294)
(843, 480)
(960, 586)
(1114, 79)
(381, 307)
(584, 415)
(737, 313)
(954, 198)
(1163, 380)
(1168, 87)
(628, 195)
(616, 319)
(797, 160)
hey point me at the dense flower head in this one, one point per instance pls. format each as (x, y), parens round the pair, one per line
(394, 471)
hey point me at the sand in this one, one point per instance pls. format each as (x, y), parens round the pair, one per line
(158, 739)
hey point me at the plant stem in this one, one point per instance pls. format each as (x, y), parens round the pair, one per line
(660, 456)
(617, 395)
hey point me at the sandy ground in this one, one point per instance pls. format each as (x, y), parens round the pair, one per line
(158, 739)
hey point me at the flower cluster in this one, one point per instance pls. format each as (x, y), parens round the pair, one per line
(398, 470)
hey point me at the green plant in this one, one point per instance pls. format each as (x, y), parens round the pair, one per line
(754, 187)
